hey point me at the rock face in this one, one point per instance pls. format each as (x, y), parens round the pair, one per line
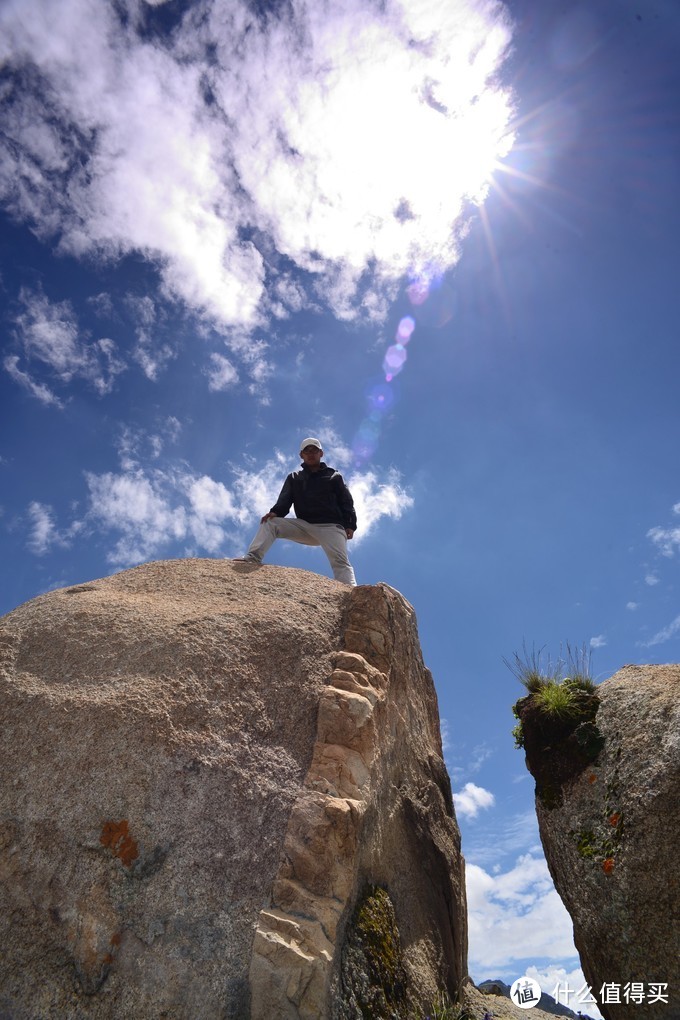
(610, 839)
(205, 765)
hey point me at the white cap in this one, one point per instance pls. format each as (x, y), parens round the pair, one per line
(310, 442)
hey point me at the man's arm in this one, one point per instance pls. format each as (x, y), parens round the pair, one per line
(346, 504)
(283, 503)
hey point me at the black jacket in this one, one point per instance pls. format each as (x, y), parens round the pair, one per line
(319, 497)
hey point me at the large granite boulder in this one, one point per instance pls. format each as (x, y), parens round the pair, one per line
(205, 766)
(609, 828)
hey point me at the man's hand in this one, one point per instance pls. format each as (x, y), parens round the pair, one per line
(267, 517)
(349, 532)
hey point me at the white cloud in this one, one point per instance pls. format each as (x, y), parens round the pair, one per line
(667, 540)
(287, 296)
(515, 916)
(48, 333)
(222, 373)
(472, 799)
(210, 499)
(102, 305)
(133, 445)
(374, 499)
(665, 634)
(632, 606)
(39, 390)
(43, 531)
(599, 641)
(136, 507)
(142, 308)
(172, 428)
(480, 753)
(651, 580)
(151, 357)
(239, 126)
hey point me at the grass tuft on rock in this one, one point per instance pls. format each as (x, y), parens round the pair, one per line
(556, 720)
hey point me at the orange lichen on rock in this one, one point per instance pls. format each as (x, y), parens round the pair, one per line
(592, 778)
(615, 818)
(116, 836)
(608, 866)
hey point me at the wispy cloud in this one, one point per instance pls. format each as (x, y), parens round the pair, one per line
(234, 143)
(135, 507)
(48, 335)
(598, 641)
(374, 499)
(665, 634)
(667, 540)
(472, 799)
(221, 374)
(473, 761)
(37, 389)
(495, 839)
(632, 606)
(445, 731)
(43, 531)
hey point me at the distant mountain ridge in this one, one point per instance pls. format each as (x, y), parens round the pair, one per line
(546, 1002)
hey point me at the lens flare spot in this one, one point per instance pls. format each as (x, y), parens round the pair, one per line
(394, 360)
(380, 399)
(405, 329)
(418, 292)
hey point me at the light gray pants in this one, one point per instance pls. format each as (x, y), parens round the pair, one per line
(331, 538)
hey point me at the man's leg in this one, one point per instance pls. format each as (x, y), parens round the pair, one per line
(333, 540)
(279, 527)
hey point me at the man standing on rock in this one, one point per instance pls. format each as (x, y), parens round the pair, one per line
(324, 513)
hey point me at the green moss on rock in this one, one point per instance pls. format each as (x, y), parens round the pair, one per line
(373, 979)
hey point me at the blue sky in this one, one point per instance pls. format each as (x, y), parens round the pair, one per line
(218, 222)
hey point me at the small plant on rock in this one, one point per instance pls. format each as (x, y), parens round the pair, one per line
(579, 668)
(532, 670)
(557, 699)
(556, 724)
